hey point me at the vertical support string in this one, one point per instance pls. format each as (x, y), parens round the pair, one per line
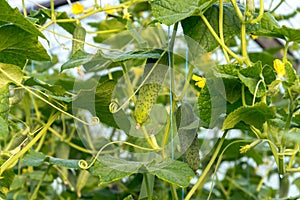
(171, 92)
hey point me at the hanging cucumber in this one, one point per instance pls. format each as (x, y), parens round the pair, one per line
(187, 126)
(4, 102)
(78, 39)
(156, 69)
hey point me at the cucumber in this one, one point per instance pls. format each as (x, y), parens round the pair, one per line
(63, 151)
(78, 34)
(149, 91)
(187, 125)
(4, 102)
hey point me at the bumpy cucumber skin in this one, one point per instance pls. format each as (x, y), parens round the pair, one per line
(4, 102)
(78, 34)
(149, 91)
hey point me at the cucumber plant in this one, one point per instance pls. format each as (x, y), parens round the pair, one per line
(167, 133)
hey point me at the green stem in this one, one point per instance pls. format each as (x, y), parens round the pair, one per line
(243, 96)
(207, 169)
(24, 8)
(237, 10)
(285, 51)
(186, 84)
(147, 187)
(173, 191)
(221, 31)
(244, 44)
(219, 40)
(37, 188)
(260, 14)
(15, 157)
(128, 82)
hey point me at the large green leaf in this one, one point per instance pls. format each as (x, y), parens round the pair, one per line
(110, 169)
(172, 11)
(33, 158)
(194, 27)
(18, 45)
(252, 115)
(269, 27)
(251, 77)
(98, 100)
(172, 171)
(112, 26)
(13, 16)
(14, 72)
(3, 128)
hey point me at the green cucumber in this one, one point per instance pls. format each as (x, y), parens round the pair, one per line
(4, 102)
(187, 125)
(78, 39)
(156, 69)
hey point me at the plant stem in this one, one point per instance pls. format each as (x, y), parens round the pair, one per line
(221, 15)
(173, 191)
(37, 188)
(237, 10)
(218, 39)
(147, 186)
(260, 14)
(207, 169)
(16, 156)
(244, 44)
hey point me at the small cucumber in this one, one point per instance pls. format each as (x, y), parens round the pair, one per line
(149, 91)
(63, 151)
(82, 179)
(4, 102)
(78, 39)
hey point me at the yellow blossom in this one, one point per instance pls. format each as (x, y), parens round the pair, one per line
(126, 14)
(200, 81)
(77, 8)
(108, 9)
(246, 148)
(254, 37)
(279, 67)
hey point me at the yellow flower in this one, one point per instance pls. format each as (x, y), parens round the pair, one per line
(200, 81)
(244, 149)
(126, 14)
(108, 9)
(77, 8)
(254, 37)
(279, 67)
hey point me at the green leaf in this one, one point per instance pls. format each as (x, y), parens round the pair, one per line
(43, 14)
(251, 77)
(267, 26)
(252, 115)
(55, 89)
(18, 45)
(110, 169)
(70, 163)
(77, 59)
(172, 171)
(290, 73)
(14, 16)
(6, 180)
(269, 74)
(33, 158)
(112, 26)
(290, 34)
(13, 71)
(99, 100)
(194, 28)
(171, 11)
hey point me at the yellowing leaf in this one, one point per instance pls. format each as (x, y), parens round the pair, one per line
(77, 8)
